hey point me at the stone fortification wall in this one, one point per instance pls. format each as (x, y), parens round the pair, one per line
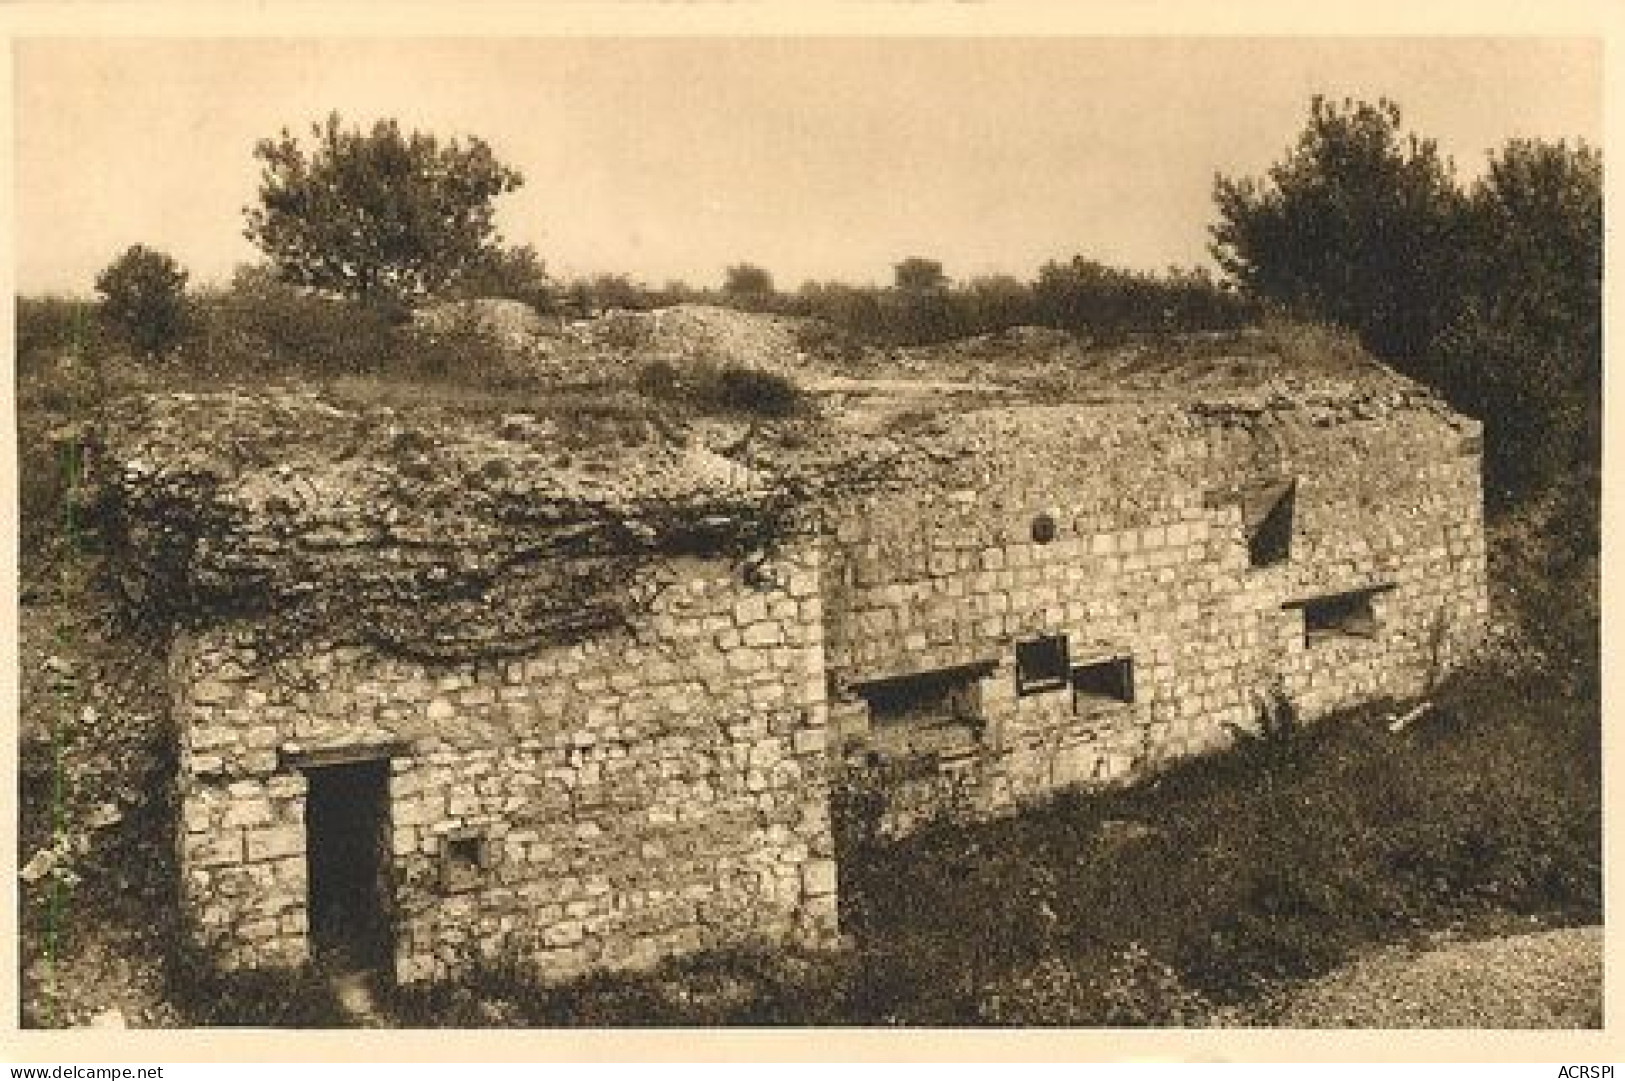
(608, 696)
(643, 793)
(1127, 531)
(580, 703)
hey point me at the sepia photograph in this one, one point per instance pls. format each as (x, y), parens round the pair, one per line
(808, 531)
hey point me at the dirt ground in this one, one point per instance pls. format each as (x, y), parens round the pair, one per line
(1544, 980)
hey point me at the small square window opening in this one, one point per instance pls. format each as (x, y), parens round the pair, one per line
(1343, 615)
(1102, 683)
(1042, 665)
(463, 862)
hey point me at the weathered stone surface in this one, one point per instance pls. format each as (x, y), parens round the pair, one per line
(1149, 564)
(599, 821)
(617, 690)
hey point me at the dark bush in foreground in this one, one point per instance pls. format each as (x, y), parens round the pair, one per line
(747, 390)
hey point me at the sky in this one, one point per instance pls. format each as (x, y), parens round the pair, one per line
(816, 158)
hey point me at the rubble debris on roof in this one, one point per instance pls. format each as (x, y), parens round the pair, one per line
(438, 538)
(444, 532)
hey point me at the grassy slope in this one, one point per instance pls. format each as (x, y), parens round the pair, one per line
(1271, 863)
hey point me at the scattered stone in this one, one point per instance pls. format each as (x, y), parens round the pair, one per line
(38, 866)
(1546, 980)
(112, 1017)
(104, 816)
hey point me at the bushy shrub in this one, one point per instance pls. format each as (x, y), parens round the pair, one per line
(144, 300)
(722, 389)
(1541, 400)
(515, 272)
(746, 283)
(660, 379)
(749, 390)
(608, 292)
(1108, 304)
(1081, 296)
(261, 326)
(264, 327)
(466, 350)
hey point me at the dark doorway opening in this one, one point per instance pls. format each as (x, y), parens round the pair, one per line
(347, 846)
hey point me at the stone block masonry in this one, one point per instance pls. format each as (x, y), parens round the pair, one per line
(632, 796)
(1127, 539)
(514, 700)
